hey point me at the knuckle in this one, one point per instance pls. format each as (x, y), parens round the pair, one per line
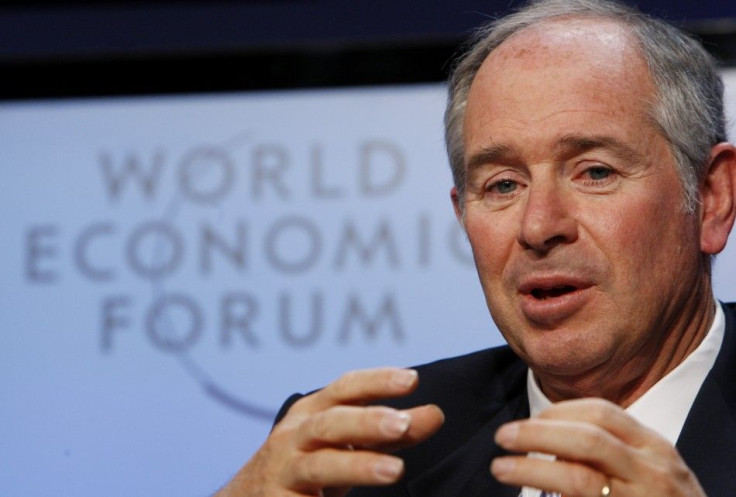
(669, 476)
(319, 428)
(341, 386)
(305, 405)
(288, 424)
(599, 411)
(662, 480)
(303, 401)
(281, 435)
(582, 481)
(299, 406)
(594, 443)
(307, 470)
(682, 472)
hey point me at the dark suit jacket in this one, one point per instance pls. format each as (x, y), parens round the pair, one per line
(481, 391)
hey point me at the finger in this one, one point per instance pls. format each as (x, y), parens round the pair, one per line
(376, 427)
(568, 478)
(359, 387)
(425, 421)
(604, 414)
(338, 468)
(352, 425)
(570, 440)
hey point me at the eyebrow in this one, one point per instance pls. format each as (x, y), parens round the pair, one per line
(489, 155)
(574, 144)
(565, 146)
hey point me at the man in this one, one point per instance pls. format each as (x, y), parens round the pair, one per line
(594, 183)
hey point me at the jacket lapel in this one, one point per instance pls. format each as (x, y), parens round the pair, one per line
(466, 472)
(707, 442)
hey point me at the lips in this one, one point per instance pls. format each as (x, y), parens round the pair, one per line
(548, 300)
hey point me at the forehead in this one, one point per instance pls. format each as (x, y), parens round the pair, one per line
(561, 67)
(597, 41)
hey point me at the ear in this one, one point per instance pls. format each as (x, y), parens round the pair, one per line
(456, 205)
(718, 196)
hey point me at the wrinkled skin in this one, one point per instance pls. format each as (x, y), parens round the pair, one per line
(575, 215)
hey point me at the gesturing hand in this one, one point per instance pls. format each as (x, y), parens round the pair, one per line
(597, 444)
(330, 441)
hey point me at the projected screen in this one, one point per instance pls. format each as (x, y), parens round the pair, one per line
(174, 267)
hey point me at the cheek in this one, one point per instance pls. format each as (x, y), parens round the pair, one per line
(645, 240)
(492, 242)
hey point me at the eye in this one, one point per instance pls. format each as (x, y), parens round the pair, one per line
(598, 173)
(503, 187)
(597, 177)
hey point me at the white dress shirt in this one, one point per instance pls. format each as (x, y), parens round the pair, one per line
(677, 390)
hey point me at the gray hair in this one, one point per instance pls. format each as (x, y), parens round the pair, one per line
(688, 106)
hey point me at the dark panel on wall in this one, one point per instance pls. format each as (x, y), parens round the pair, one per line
(93, 27)
(211, 72)
(100, 47)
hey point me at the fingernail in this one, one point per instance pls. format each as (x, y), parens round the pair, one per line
(395, 423)
(502, 466)
(389, 469)
(404, 378)
(507, 434)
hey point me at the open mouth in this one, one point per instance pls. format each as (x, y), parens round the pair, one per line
(547, 293)
(550, 299)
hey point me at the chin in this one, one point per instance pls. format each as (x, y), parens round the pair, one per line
(566, 357)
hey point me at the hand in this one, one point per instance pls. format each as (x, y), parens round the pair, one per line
(596, 444)
(330, 441)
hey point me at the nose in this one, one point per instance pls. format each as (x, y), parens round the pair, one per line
(547, 220)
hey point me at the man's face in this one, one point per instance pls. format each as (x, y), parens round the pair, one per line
(573, 206)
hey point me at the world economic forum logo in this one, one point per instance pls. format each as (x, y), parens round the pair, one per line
(252, 260)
